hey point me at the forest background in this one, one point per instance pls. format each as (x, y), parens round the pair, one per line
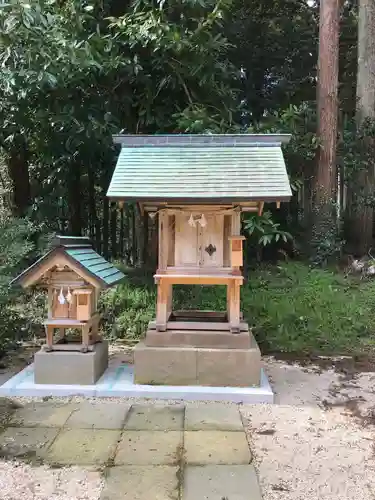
(74, 72)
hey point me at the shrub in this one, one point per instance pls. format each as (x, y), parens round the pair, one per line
(16, 247)
(297, 308)
(292, 307)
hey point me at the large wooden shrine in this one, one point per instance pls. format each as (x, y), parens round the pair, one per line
(197, 186)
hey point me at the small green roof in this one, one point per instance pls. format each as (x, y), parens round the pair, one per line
(222, 167)
(79, 249)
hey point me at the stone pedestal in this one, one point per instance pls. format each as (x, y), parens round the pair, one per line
(201, 357)
(71, 368)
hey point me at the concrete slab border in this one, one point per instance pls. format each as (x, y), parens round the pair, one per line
(117, 381)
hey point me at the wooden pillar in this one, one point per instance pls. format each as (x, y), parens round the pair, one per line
(236, 231)
(234, 307)
(169, 301)
(49, 338)
(62, 333)
(163, 301)
(236, 223)
(50, 302)
(229, 291)
(163, 241)
(85, 337)
(96, 337)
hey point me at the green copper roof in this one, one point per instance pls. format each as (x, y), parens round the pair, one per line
(80, 251)
(96, 265)
(242, 167)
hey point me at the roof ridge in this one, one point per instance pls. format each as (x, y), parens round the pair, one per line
(167, 140)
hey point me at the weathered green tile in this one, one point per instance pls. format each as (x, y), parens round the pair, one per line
(215, 482)
(47, 414)
(216, 447)
(98, 415)
(26, 441)
(205, 171)
(141, 483)
(83, 446)
(213, 417)
(149, 448)
(143, 417)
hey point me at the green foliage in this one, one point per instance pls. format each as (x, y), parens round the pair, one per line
(73, 73)
(300, 122)
(325, 241)
(182, 68)
(297, 308)
(200, 120)
(127, 309)
(264, 230)
(16, 246)
(292, 307)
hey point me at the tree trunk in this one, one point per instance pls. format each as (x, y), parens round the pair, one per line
(122, 233)
(324, 185)
(92, 206)
(105, 227)
(361, 185)
(128, 232)
(113, 230)
(327, 89)
(134, 238)
(146, 247)
(18, 170)
(74, 199)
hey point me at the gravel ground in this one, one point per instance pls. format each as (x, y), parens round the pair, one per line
(305, 453)
(20, 481)
(315, 443)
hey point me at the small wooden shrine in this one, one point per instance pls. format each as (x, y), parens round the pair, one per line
(73, 274)
(198, 186)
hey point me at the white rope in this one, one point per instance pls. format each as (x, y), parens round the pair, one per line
(206, 212)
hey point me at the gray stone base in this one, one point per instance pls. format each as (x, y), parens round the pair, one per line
(205, 366)
(64, 368)
(198, 338)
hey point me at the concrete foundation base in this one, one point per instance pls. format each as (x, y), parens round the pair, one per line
(238, 364)
(65, 368)
(118, 382)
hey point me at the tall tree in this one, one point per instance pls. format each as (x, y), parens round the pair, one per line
(362, 181)
(327, 106)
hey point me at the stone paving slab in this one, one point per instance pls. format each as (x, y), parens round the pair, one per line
(141, 483)
(149, 448)
(218, 482)
(83, 446)
(47, 414)
(213, 417)
(98, 415)
(143, 417)
(216, 447)
(26, 441)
